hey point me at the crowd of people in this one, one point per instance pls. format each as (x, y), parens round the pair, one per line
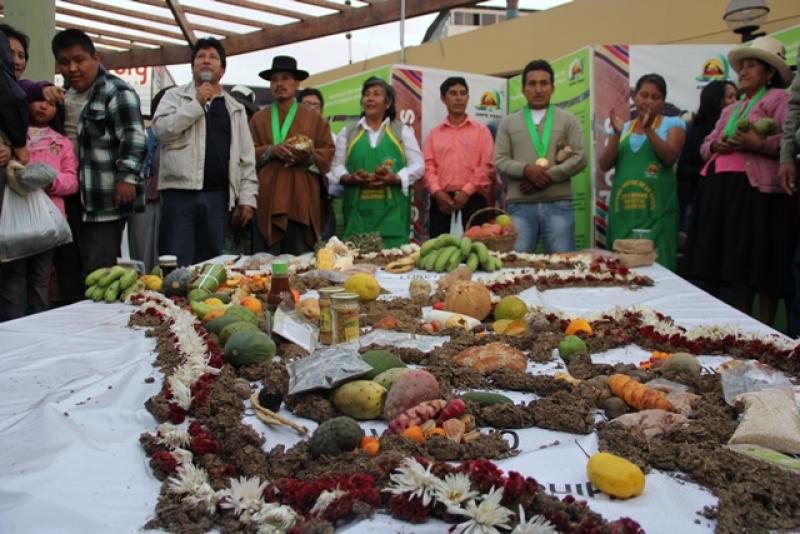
(209, 163)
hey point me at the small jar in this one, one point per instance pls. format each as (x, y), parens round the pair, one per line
(168, 263)
(345, 308)
(325, 313)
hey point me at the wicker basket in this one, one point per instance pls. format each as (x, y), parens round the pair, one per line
(498, 243)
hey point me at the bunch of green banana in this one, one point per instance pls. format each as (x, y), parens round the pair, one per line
(111, 284)
(445, 253)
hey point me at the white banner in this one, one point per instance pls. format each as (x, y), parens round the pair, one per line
(487, 97)
(686, 69)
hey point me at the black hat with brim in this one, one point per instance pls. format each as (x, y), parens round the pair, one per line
(284, 64)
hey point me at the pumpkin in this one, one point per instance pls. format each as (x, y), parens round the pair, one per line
(469, 298)
(176, 283)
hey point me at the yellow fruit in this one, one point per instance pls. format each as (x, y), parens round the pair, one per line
(504, 221)
(615, 475)
(578, 325)
(252, 304)
(325, 259)
(151, 282)
(510, 308)
(214, 314)
(364, 285)
(213, 301)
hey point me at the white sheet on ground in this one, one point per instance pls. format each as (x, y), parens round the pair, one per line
(73, 387)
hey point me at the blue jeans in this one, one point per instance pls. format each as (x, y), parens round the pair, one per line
(193, 224)
(554, 222)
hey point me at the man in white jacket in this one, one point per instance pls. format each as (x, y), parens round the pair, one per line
(207, 174)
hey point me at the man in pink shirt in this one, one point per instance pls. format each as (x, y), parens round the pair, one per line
(458, 161)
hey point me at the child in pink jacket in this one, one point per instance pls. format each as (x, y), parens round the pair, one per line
(52, 155)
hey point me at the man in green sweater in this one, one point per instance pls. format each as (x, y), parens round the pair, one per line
(539, 194)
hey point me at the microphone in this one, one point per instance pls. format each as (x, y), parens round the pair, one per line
(206, 77)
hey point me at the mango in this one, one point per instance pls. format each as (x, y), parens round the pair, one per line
(615, 476)
(360, 399)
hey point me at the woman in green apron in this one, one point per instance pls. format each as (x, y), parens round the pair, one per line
(377, 160)
(644, 151)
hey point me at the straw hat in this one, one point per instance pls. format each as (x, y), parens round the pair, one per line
(767, 49)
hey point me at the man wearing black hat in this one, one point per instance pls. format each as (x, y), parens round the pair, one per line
(294, 150)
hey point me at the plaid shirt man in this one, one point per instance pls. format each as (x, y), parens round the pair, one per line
(111, 148)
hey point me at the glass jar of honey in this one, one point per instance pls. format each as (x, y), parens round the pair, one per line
(326, 313)
(345, 309)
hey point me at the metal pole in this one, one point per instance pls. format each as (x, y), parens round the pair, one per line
(402, 31)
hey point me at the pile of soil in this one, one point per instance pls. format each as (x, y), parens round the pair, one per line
(753, 496)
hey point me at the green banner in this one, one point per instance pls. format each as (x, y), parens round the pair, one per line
(572, 95)
(790, 38)
(343, 97)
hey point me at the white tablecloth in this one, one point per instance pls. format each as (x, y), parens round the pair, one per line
(72, 393)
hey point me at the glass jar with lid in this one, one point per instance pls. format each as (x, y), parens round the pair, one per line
(326, 313)
(345, 307)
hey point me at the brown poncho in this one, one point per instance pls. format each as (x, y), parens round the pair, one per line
(292, 193)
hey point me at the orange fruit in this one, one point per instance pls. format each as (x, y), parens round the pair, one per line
(215, 313)
(252, 304)
(578, 325)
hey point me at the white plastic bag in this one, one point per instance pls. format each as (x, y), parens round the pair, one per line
(456, 226)
(29, 225)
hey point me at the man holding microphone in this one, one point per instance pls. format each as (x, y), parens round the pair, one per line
(207, 174)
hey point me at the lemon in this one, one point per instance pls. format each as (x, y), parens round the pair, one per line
(364, 285)
(510, 307)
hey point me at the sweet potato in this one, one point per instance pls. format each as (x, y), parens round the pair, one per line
(638, 395)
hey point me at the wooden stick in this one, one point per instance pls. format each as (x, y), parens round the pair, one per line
(273, 418)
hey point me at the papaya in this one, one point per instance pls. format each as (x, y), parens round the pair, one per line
(201, 309)
(249, 346)
(230, 329)
(198, 295)
(216, 325)
(242, 313)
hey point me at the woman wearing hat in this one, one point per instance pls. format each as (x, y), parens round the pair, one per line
(744, 230)
(377, 159)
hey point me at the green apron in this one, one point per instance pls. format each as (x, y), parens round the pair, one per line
(645, 195)
(386, 210)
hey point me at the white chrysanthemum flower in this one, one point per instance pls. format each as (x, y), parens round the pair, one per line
(206, 496)
(454, 489)
(414, 479)
(183, 456)
(188, 480)
(169, 434)
(181, 393)
(325, 499)
(484, 518)
(535, 525)
(244, 496)
(273, 517)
